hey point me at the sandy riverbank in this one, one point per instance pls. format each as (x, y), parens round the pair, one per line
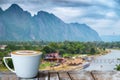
(101, 54)
(77, 63)
(69, 64)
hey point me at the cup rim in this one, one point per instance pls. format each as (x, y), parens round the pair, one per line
(20, 54)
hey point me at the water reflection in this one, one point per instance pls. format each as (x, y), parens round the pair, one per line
(105, 62)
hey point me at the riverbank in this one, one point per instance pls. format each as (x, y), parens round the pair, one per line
(69, 64)
(75, 63)
(105, 62)
(107, 51)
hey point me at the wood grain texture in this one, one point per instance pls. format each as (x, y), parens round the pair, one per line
(66, 75)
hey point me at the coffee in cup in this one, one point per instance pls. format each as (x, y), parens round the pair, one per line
(26, 63)
(25, 52)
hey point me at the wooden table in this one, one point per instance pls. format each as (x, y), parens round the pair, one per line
(66, 75)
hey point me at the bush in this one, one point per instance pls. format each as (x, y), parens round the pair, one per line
(9, 62)
(117, 67)
(44, 65)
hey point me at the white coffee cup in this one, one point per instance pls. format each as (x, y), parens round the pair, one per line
(26, 63)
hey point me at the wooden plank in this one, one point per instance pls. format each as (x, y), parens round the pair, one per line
(4, 77)
(8, 76)
(80, 75)
(53, 76)
(71, 75)
(106, 75)
(63, 76)
(42, 75)
(13, 77)
(92, 76)
(0, 76)
(28, 79)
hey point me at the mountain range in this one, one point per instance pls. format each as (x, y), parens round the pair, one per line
(18, 25)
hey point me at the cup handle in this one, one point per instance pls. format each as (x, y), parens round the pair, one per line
(4, 59)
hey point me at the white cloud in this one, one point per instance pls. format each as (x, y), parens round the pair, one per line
(107, 3)
(111, 14)
(5, 6)
(85, 1)
(103, 26)
(67, 13)
(99, 14)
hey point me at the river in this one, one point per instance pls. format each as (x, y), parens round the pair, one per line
(105, 62)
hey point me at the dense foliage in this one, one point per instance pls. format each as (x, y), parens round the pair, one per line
(50, 47)
(117, 67)
(109, 44)
(66, 48)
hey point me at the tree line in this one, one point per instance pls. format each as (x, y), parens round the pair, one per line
(66, 47)
(69, 47)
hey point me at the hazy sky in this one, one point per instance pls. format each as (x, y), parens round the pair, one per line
(101, 15)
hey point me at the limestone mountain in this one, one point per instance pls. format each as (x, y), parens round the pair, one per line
(18, 25)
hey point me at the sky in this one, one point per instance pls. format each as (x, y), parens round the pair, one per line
(101, 15)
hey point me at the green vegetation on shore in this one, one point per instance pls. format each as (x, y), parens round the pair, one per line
(117, 67)
(65, 49)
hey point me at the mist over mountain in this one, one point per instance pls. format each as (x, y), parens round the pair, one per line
(18, 25)
(110, 38)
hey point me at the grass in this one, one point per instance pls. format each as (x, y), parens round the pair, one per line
(70, 55)
(3, 68)
(75, 55)
(44, 65)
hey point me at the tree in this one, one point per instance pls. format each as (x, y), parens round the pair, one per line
(92, 51)
(117, 67)
(9, 62)
(48, 49)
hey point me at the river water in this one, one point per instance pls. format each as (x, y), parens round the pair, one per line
(105, 62)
